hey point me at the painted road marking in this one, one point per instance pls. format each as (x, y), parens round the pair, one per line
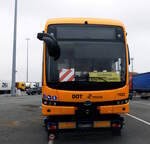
(145, 122)
(142, 103)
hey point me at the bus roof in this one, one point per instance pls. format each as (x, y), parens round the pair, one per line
(83, 20)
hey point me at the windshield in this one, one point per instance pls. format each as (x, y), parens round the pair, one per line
(87, 59)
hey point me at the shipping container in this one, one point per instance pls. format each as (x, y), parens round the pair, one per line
(5, 87)
(141, 84)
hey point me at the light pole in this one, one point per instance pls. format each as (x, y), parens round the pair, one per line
(27, 39)
(132, 59)
(13, 82)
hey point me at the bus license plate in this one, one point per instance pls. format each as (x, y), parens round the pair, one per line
(83, 125)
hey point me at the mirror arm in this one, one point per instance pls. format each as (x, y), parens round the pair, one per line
(51, 43)
(47, 40)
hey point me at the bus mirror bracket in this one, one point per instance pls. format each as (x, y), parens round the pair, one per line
(51, 44)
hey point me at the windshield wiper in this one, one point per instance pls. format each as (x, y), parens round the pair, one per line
(78, 81)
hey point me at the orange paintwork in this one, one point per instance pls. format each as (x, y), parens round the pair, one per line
(57, 110)
(117, 109)
(97, 96)
(100, 124)
(105, 109)
(105, 95)
(66, 125)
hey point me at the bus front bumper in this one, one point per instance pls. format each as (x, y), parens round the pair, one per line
(68, 110)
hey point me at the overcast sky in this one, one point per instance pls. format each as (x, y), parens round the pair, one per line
(32, 15)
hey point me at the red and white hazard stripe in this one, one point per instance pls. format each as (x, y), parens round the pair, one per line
(66, 75)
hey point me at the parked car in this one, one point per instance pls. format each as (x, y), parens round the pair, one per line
(33, 91)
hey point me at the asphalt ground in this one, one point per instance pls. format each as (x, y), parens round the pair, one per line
(21, 122)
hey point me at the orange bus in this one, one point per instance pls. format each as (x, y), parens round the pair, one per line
(85, 74)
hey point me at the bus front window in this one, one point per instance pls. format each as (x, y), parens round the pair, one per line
(88, 61)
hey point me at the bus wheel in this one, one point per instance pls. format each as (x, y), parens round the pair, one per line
(116, 132)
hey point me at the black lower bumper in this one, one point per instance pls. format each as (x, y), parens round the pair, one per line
(84, 123)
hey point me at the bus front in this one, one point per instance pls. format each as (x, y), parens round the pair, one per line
(87, 84)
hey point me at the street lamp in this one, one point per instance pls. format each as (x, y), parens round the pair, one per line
(27, 39)
(132, 65)
(132, 75)
(13, 82)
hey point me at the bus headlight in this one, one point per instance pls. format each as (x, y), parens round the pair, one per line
(118, 102)
(49, 100)
(45, 102)
(52, 103)
(122, 102)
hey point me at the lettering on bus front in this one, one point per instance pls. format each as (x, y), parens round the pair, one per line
(77, 96)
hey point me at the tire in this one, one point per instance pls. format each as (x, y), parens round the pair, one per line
(144, 97)
(116, 131)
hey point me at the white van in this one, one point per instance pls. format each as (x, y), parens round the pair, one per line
(5, 87)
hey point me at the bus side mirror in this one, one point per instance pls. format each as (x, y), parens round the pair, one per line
(51, 44)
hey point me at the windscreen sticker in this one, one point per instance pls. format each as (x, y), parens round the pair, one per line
(104, 76)
(66, 75)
